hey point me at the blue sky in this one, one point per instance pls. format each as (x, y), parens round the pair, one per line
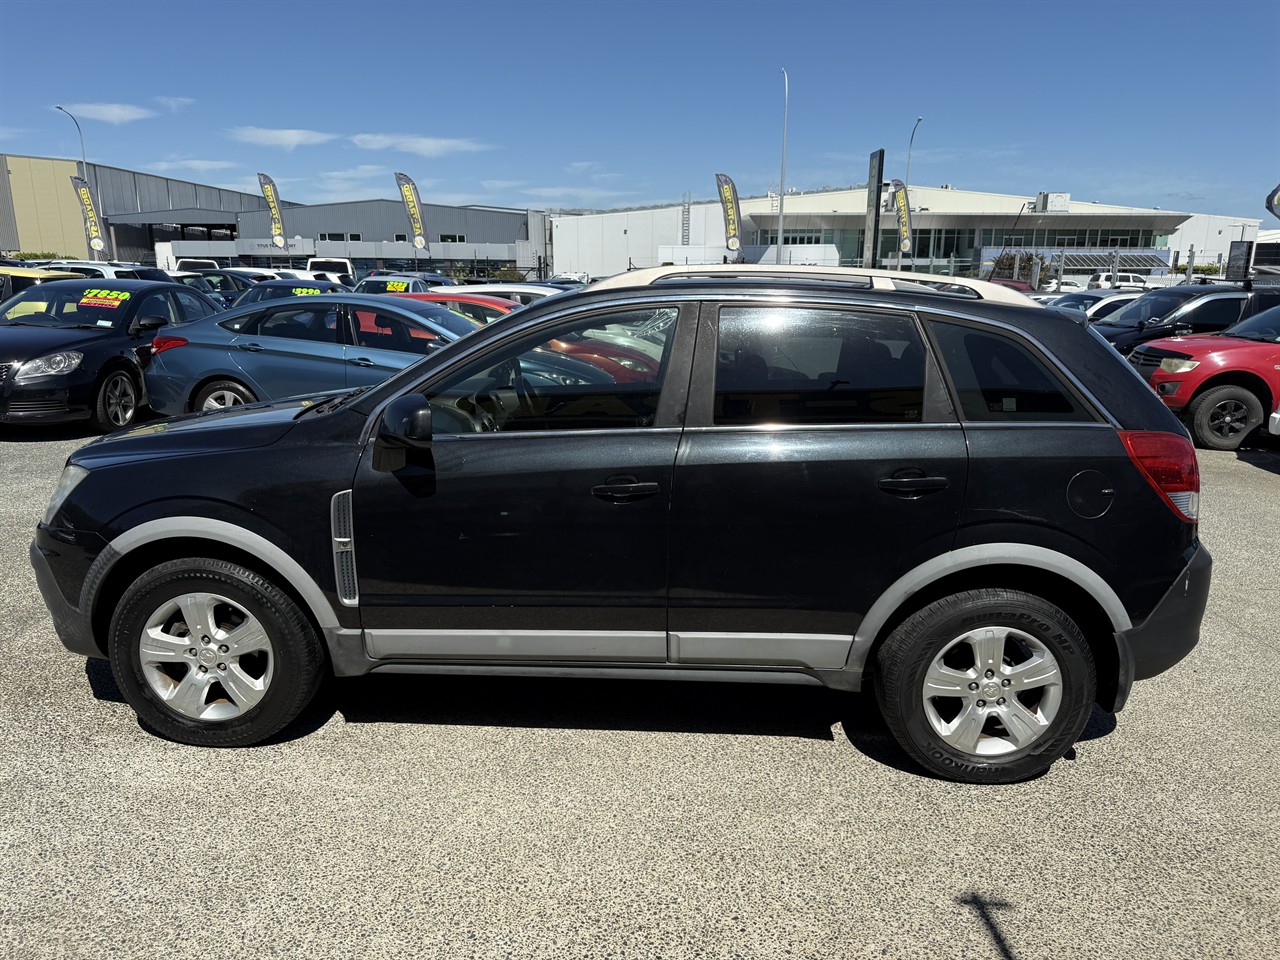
(609, 104)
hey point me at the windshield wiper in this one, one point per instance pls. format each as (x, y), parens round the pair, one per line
(331, 404)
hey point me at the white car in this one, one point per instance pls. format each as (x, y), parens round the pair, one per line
(107, 269)
(1065, 285)
(1274, 424)
(1120, 281)
(523, 293)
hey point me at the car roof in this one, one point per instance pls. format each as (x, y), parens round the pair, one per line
(36, 273)
(118, 283)
(446, 293)
(879, 280)
(293, 282)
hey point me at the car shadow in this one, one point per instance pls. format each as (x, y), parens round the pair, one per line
(1261, 450)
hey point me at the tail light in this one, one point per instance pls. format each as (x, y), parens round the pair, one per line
(1168, 461)
(163, 343)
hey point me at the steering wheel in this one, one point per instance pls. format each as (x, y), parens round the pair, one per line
(525, 395)
(482, 421)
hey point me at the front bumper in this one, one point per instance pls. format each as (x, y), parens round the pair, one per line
(1274, 424)
(71, 623)
(46, 402)
(1173, 628)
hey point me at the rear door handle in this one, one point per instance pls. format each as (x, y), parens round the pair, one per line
(911, 485)
(624, 490)
(251, 347)
(361, 361)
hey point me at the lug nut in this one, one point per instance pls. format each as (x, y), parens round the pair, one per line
(981, 703)
(222, 666)
(1005, 682)
(990, 674)
(972, 686)
(223, 648)
(1000, 702)
(203, 668)
(191, 651)
(205, 641)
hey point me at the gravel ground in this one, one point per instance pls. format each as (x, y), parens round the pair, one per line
(432, 817)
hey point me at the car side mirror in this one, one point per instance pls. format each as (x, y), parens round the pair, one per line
(142, 324)
(405, 427)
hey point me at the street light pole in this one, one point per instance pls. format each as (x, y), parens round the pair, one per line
(782, 180)
(84, 164)
(907, 187)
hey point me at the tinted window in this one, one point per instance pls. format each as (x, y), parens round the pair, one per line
(1150, 306)
(191, 306)
(157, 305)
(383, 331)
(1214, 314)
(438, 314)
(998, 379)
(570, 377)
(800, 365)
(318, 324)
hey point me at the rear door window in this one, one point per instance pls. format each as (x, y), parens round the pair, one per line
(1215, 314)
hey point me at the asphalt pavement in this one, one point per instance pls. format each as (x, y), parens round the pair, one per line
(470, 817)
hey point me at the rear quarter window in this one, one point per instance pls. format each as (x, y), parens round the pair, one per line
(997, 379)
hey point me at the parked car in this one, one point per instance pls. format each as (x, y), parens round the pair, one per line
(1177, 311)
(282, 289)
(828, 482)
(337, 268)
(1273, 425)
(433, 279)
(1222, 385)
(229, 285)
(1118, 281)
(16, 279)
(395, 283)
(194, 280)
(282, 348)
(524, 293)
(1094, 304)
(74, 349)
(478, 306)
(109, 270)
(1066, 285)
(1020, 285)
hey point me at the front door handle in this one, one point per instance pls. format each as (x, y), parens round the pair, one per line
(912, 484)
(624, 490)
(361, 361)
(251, 347)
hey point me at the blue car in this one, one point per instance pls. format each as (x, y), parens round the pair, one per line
(299, 345)
(283, 289)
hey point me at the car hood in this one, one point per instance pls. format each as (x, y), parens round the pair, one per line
(27, 343)
(1204, 344)
(239, 427)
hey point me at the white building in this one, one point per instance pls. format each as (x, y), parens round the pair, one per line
(953, 231)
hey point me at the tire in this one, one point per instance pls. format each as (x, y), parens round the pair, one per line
(116, 404)
(212, 654)
(958, 732)
(221, 394)
(1221, 418)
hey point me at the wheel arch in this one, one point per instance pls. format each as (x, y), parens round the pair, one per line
(1238, 378)
(189, 404)
(159, 541)
(1063, 581)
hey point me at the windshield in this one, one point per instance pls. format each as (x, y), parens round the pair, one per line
(1263, 327)
(1150, 307)
(1076, 301)
(458, 325)
(49, 305)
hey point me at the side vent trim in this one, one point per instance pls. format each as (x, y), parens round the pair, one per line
(344, 549)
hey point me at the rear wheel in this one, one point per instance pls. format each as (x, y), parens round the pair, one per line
(987, 686)
(1221, 418)
(222, 394)
(212, 654)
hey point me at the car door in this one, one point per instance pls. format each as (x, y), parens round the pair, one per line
(1211, 314)
(536, 527)
(381, 343)
(821, 460)
(292, 350)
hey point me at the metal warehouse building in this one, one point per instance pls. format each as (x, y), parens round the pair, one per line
(39, 212)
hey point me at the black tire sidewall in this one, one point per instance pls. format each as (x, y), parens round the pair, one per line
(920, 639)
(296, 652)
(1204, 405)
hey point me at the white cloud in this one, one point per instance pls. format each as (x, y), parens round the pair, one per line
(496, 185)
(109, 112)
(11, 133)
(577, 194)
(422, 146)
(288, 139)
(174, 103)
(200, 166)
(363, 172)
(582, 166)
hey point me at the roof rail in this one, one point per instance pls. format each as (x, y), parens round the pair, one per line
(857, 276)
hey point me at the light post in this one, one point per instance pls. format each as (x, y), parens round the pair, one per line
(84, 164)
(782, 180)
(906, 185)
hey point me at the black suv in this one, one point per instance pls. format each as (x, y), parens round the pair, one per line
(770, 475)
(1183, 310)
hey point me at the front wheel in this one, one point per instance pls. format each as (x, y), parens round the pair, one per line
(987, 686)
(116, 403)
(1221, 418)
(212, 654)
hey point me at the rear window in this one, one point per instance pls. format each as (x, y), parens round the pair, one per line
(384, 285)
(998, 380)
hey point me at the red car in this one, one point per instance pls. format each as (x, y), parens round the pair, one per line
(477, 306)
(1222, 385)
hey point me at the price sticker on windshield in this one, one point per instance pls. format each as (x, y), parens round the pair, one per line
(111, 299)
(397, 286)
(305, 291)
